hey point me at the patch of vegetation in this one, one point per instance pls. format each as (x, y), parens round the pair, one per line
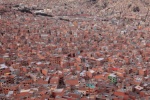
(136, 9)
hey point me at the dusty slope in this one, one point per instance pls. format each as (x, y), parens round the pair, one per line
(92, 7)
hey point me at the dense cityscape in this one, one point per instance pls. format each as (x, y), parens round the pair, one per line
(74, 50)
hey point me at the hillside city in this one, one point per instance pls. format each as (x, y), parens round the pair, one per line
(74, 50)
